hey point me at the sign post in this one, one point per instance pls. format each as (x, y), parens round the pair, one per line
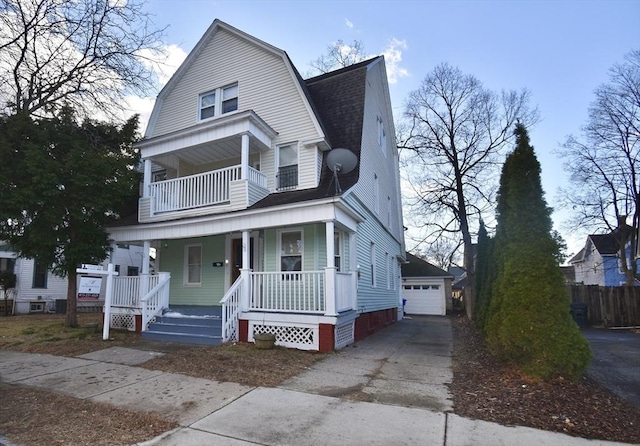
(110, 272)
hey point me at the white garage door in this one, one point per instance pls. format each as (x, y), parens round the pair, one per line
(424, 299)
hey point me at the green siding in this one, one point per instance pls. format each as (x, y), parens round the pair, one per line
(211, 289)
(314, 254)
(372, 298)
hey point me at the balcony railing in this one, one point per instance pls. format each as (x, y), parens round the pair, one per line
(203, 189)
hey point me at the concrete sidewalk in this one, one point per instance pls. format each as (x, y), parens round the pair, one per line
(389, 389)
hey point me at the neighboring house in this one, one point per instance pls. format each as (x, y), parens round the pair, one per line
(243, 209)
(38, 289)
(426, 288)
(599, 262)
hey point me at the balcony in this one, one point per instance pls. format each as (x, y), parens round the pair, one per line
(215, 191)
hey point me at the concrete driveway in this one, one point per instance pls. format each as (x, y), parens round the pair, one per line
(616, 361)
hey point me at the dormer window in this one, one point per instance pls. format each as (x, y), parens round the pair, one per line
(218, 102)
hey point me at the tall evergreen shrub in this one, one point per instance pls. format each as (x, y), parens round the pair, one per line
(529, 322)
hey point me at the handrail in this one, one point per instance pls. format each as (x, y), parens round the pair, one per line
(231, 311)
(155, 300)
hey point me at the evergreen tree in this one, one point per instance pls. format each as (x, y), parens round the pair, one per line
(529, 322)
(486, 272)
(62, 182)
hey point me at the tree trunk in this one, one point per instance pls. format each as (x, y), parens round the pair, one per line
(72, 300)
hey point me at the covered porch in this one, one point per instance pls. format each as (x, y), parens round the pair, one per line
(301, 307)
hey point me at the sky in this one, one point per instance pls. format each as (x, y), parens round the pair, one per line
(560, 50)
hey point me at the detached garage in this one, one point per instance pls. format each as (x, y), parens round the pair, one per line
(426, 288)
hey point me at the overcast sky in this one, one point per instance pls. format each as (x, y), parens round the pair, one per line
(560, 50)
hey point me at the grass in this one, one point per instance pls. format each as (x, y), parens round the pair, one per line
(46, 333)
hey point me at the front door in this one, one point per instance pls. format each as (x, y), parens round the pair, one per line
(236, 257)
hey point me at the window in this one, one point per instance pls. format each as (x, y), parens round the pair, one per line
(229, 99)
(336, 250)
(373, 264)
(382, 136)
(193, 265)
(291, 251)
(388, 267)
(207, 105)
(160, 175)
(287, 167)
(132, 271)
(376, 193)
(7, 264)
(218, 102)
(39, 275)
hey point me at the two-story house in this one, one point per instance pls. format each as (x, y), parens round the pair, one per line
(39, 290)
(599, 261)
(274, 198)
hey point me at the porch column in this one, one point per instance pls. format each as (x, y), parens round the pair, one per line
(244, 271)
(147, 178)
(146, 250)
(330, 272)
(244, 158)
(144, 274)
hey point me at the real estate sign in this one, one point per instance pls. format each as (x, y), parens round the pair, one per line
(89, 288)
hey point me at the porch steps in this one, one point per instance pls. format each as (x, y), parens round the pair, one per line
(187, 325)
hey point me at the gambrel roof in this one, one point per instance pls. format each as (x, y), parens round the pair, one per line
(337, 98)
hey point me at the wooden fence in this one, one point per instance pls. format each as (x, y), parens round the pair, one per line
(608, 306)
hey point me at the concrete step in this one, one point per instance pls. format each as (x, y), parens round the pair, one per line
(182, 338)
(190, 321)
(186, 327)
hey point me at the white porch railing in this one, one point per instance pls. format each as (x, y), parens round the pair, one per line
(231, 310)
(288, 291)
(346, 291)
(155, 300)
(204, 189)
(255, 176)
(127, 290)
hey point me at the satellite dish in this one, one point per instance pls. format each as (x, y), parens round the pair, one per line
(341, 161)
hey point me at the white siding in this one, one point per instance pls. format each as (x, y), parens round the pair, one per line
(265, 85)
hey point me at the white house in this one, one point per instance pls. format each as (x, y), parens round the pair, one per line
(39, 290)
(242, 206)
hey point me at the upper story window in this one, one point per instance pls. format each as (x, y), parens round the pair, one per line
(218, 102)
(382, 136)
(287, 167)
(373, 264)
(376, 193)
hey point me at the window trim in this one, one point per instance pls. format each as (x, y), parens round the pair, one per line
(337, 250)
(45, 276)
(295, 146)
(374, 282)
(218, 101)
(187, 265)
(279, 248)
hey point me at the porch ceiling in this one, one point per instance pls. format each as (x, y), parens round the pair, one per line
(218, 150)
(211, 141)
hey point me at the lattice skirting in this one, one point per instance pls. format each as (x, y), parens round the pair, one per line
(123, 321)
(344, 334)
(300, 336)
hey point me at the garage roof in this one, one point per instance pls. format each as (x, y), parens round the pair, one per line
(418, 267)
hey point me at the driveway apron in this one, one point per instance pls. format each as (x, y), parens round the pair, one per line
(406, 364)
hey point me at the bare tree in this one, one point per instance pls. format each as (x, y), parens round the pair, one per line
(88, 54)
(604, 163)
(339, 55)
(453, 138)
